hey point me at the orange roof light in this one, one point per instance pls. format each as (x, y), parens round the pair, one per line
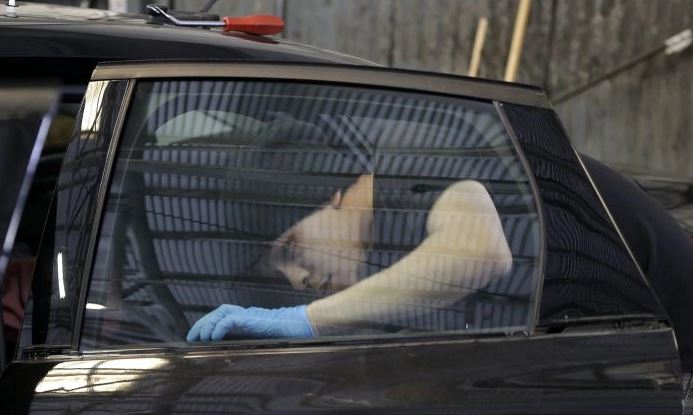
(255, 24)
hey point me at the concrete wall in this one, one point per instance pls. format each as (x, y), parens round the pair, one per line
(640, 120)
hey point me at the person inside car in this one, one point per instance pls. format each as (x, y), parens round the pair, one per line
(465, 247)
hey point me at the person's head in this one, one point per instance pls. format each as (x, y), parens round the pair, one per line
(322, 248)
(325, 250)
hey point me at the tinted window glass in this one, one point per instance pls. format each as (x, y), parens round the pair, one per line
(383, 213)
(588, 272)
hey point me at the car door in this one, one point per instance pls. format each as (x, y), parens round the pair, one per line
(440, 234)
(26, 112)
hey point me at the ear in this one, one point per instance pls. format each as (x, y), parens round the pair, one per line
(336, 199)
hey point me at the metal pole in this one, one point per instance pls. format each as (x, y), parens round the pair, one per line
(479, 40)
(517, 41)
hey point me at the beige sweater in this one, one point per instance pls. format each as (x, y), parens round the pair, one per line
(465, 250)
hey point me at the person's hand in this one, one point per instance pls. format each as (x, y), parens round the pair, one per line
(286, 322)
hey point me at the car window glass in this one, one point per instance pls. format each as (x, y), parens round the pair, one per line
(385, 213)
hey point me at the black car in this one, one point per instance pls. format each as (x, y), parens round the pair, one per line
(241, 224)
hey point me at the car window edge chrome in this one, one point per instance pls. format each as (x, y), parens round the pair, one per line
(343, 74)
(539, 203)
(300, 345)
(226, 347)
(98, 215)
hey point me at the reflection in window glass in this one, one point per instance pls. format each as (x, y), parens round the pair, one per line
(310, 211)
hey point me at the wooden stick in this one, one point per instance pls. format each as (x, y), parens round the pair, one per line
(518, 39)
(479, 40)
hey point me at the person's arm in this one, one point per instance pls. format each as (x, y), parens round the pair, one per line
(464, 251)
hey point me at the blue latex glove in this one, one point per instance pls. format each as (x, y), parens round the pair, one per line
(285, 322)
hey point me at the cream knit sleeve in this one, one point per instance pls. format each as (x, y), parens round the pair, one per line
(464, 250)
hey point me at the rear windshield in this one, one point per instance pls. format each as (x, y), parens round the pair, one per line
(337, 211)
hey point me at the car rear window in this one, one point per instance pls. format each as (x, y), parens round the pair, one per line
(384, 213)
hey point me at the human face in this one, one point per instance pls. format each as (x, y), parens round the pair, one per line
(324, 250)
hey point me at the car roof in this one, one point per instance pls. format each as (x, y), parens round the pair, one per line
(41, 40)
(73, 37)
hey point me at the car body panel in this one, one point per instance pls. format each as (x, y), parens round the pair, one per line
(587, 373)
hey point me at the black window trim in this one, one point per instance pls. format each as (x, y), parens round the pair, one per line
(536, 297)
(100, 208)
(426, 82)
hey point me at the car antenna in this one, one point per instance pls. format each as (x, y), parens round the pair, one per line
(254, 24)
